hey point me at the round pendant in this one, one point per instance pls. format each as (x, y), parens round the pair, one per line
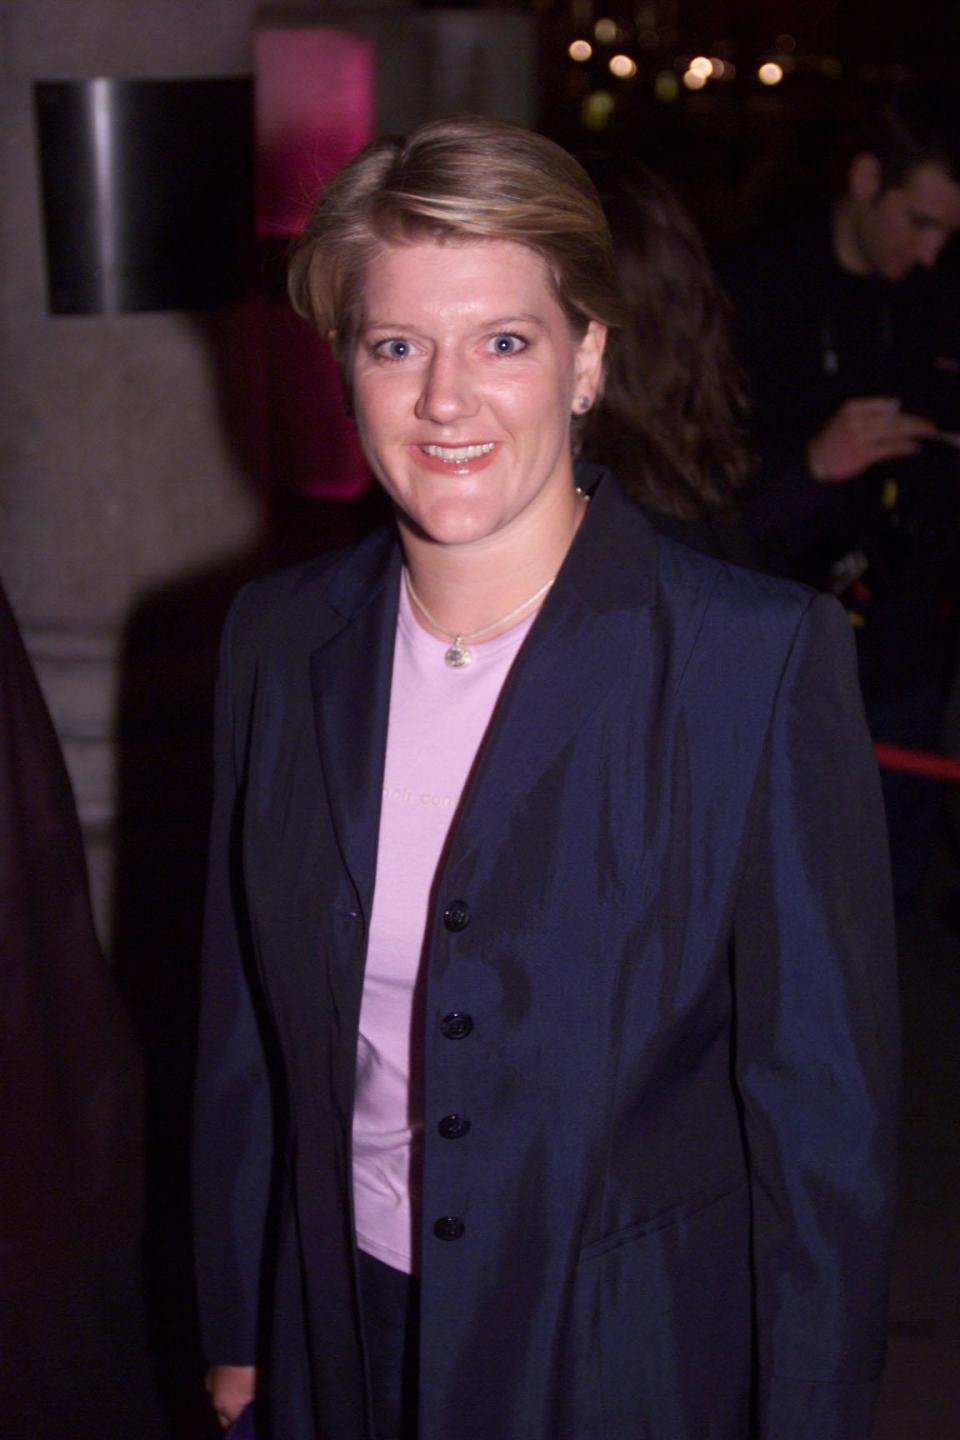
(458, 655)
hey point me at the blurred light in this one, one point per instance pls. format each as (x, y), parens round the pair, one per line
(729, 71)
(606, 31)
(580, 50)
(831, 68)
(648, 39)
(770, 74)
(623, 67)
(785, 42)
(717, 68)
(597, 109)
(693, 81)
(646, 17)
(701, 66)
(665, 87)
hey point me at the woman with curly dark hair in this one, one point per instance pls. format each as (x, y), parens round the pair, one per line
(672, 422)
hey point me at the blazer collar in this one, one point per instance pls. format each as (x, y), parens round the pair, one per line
(599, 611)
(364, 573)
(611, 565)
(568, 662)
(350, 676)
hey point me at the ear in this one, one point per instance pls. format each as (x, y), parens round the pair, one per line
(588, 365)
(864, 178)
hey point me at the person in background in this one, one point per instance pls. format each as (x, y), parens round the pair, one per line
(548, 1051)
(74, 1360)
(848, 325)
(672, 418)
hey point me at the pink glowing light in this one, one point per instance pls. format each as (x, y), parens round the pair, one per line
(315, 108)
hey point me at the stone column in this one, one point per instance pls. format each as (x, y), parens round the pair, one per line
(122, 469)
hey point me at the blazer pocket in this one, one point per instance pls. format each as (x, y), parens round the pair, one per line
(671, 1216)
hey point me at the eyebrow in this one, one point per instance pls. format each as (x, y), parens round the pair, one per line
(499, 322)
(502, 321)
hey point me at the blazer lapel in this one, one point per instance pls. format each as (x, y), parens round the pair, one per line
(350, 678)
(599, 611)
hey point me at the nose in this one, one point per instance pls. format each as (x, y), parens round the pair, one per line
(448, 392)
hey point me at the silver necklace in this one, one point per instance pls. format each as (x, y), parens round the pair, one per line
(459, 653)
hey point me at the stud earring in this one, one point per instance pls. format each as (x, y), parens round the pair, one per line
(583, 403)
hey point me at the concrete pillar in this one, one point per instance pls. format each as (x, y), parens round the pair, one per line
(121, 469)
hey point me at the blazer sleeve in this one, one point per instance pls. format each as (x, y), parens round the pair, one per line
(233, 1142)
(818, 1047)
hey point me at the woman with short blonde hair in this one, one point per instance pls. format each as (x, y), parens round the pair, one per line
(545, 1082)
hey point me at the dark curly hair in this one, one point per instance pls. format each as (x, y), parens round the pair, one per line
(672, 420)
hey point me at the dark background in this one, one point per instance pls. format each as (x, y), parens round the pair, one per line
(741, 154)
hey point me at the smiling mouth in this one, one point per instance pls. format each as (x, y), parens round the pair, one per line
(457, 456)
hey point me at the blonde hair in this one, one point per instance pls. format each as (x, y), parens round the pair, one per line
(463, 178)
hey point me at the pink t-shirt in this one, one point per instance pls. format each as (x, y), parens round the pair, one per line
(438, 717)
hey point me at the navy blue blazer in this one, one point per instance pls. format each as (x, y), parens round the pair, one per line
(670, 1218)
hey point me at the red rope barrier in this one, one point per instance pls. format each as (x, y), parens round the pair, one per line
(918, 762)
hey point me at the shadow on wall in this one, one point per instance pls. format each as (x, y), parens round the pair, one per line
(168, 673)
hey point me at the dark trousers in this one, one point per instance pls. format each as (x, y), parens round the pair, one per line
(391, 1303)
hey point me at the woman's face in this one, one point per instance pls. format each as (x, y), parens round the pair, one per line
(465, 377)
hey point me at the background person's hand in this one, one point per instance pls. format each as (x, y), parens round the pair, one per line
(231, 1388)
(861, 433)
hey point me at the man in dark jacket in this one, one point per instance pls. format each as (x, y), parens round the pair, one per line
(849, 327)
(74, 1360)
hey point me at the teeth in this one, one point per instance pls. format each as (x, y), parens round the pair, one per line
(465, 452)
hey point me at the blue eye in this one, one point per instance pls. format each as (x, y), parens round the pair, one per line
(392, 349)
(507, 344)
